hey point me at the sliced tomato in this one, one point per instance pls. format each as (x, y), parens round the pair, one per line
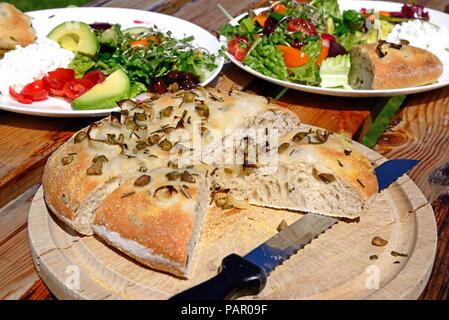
(57, 92)
(302, 25)
(17, 96)
(240, 52)
(36, 91)
(75, 88)
(95, 76)
(234, 43)
(88, 84)
(57, 78)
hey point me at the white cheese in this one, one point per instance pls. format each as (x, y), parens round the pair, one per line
(24, 65)
(425, 35)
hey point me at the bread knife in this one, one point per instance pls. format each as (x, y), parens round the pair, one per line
(242, 276)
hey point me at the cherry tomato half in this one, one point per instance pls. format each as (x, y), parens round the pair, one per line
(17, 96)
(75, 88)
(234, 43)
(36, 91)
(95, 76)
(57, 78)
(303, 25)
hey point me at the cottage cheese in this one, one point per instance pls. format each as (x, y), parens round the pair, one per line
(423, 35)
(24, 65)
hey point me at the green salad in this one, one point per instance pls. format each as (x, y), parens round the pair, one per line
(146, 53)
(112, 64)
(308, 42)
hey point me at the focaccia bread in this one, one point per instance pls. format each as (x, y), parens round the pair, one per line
(317, 171)
(392, 66)
(140, 178)
(15, 28)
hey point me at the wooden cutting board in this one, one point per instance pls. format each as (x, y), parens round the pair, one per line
(336, 265)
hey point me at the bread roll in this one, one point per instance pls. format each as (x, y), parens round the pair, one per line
(390, 66)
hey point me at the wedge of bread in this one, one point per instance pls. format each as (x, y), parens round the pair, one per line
(143, 178)
(317, 171)
(391, 66)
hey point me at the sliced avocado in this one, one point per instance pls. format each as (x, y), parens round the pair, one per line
(75, 36)
(108, 37)
(136, 31)
(105, 95)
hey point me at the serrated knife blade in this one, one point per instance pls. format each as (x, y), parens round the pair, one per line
(241, 276)
(287, 242)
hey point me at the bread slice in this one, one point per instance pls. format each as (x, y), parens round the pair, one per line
(328, 177)
(157, 220)
(391, 66)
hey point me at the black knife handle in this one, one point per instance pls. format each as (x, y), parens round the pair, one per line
(237, 277)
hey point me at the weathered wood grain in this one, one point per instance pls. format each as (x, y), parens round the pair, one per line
(25, 144)
(421, 131)
(17, 272)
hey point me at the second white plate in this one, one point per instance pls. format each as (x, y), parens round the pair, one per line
(436, 17)
(45, 20)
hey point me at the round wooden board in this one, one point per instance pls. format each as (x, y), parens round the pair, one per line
(336, 265)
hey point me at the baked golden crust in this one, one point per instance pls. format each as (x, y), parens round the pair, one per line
(15, 27)
(399, 68)
(106, 179)
(344, 161)
(165, 226)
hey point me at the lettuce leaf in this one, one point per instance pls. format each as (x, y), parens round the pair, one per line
(309, 73)
(334, 72)
(328, 8)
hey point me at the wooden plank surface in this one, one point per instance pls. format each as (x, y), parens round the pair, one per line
(421, 131)
(26, 142)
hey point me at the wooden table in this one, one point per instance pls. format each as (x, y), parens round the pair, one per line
(420, 130)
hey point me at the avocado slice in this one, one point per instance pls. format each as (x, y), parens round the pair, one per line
(75, 36)
(105, 95)
(136, 31)
(109, 37)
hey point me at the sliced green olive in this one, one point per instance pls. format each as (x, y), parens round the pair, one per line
(202, 109)
(188, 97)
(283, 147)
(95, 169)
(100, 158)
(153, 139)
(173, 175)
(299, 136)
(166, 112)
(165, 145)
(67, 160)
(80, 136)
(187, 177)
(142, 181)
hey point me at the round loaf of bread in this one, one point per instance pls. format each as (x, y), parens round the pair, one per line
(142, 179)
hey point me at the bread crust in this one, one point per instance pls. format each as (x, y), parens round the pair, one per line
(15, 27)
(399, 68)
(164, 227)
(125, 211)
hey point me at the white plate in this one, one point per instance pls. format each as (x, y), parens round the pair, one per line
(45, 20)
(436, 17)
